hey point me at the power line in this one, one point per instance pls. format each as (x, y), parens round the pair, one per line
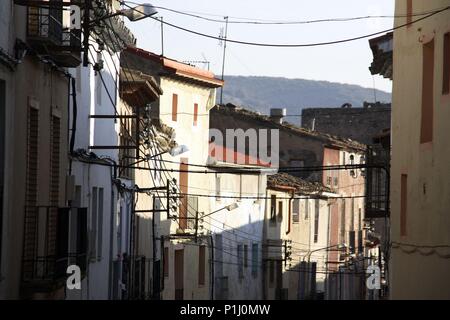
(278, 198)
(233, 231)
(254, 21)
(153, 180)
(297, 45)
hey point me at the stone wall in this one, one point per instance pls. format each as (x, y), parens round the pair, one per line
(360, 124)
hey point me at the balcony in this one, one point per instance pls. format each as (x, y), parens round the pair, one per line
(47, 35)
(54, 238)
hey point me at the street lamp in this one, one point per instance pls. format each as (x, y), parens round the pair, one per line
(133, 14)
(175, 151)
(229, 207)
(339, 246)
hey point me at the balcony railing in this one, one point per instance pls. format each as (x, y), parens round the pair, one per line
(54, 238)
(377, 183)
(47, 35)
(44, 25)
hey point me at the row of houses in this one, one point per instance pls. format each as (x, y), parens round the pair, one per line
(416, 57)
(120, 164)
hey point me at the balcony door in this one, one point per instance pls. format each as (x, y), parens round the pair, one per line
(179, 274)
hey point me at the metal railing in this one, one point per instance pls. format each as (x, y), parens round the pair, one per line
(43, 23)
(54, 238)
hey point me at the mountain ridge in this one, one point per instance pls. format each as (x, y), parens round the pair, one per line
(261, 93)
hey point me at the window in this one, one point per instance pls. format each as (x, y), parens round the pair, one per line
(352, 216)
(306, 209)
(403, 203)
(446, 71)
(201, 265)
(426, 128)
(351, 237)
(271, 273)
(174, 107)
(359, 219)
(94, 206)
(409, 9)
(2, 157)
(336, 182)
(195, 114)
(360, 241)
(273, 204)
(240, 261)
(342, 229)
(296, 210)
(184, 175)
(316, 222)
(126, 139)
(96, 222)
(100, 223)
(240, 187)
(217, 187)
(166, 262)
(280, 211)
(245, 256)
(254, 260)
(343, 158)
(32, 153)
(192, 211)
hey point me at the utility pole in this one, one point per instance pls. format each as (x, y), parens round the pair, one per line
(223, 57)
(162, 36)
(86, 31)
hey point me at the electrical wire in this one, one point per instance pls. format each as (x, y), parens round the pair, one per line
(225, 230)
(279, 22)
(295, 45)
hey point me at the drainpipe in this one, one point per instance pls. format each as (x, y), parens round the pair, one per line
(212, 266)
(290, 212)
(263, 255)
(111, 228)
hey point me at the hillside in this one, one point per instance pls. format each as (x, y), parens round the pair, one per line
(262, 93)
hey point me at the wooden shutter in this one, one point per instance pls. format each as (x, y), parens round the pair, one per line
(195, 114)
(446, 69)
(100, 223)
(426, 129)
(93, 233)
(184, 190)
(273, 207)
(179, 274)
(174, 107)
(245, 256)
(201, 265)
(403, 203)
(316, 221)
(295, 210)
(254, 259)
(409, 11)
(166, 262)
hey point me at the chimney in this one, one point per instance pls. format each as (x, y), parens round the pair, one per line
(277, 114)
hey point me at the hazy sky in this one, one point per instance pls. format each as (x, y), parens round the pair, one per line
(344, 63)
